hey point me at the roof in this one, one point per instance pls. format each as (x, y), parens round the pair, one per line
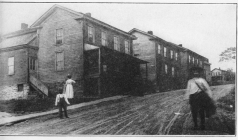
(154, 37)
(17, 40)
(78, 15)
(219, 69)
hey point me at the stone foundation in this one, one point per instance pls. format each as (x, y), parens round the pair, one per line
(11, 92)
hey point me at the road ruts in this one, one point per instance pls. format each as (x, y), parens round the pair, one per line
(148, 115)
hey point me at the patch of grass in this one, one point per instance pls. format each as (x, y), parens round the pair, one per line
(228, 102)
(227, 106)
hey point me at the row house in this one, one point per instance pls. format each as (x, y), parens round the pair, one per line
(169, 64)
(192, 60)
(164, 59)
(62, 41)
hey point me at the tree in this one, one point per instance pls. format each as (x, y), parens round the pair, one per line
(228, 55)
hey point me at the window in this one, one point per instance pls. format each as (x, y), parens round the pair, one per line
(189, 58)
(176, 56)
(171, 54)
(127, 47)
(159, 49)
(59, 36)
(193, 60)
(104, 39)
(10, 65)
(59, 61)
(32, 63)
(173, 71)
(165, 51)
(90, 34)
(20, 87)
(201, 63)
(166, 68)
(116, 44)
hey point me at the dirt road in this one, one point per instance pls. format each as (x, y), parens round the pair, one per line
(148, 115)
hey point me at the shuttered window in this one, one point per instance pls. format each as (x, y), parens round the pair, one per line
(10, 65)
(59, 61)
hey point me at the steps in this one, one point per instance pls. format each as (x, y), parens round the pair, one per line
(38, 86)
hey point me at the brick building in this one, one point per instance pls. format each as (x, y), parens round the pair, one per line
(169, 64)
(61, 42)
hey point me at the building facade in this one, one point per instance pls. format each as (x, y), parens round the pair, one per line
(61, 42)
(220, 77)
(164, 59)
(169, 64)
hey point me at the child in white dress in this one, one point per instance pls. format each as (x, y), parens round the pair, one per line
(69, 91)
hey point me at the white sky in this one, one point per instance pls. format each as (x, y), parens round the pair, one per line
(207, 29)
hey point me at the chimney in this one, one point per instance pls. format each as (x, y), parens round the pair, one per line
(180, 45)
(150, 32)
(88, 14)
(24, 26)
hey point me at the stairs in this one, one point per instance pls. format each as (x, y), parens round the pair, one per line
(38, 86)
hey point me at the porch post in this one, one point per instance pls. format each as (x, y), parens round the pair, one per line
(99, 70)
(146, 72)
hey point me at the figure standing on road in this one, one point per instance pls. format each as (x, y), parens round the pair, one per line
(69, 91)
(62, 101)
(200, 99)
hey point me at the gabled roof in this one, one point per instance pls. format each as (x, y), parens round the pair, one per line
(219, 69)
(78, 15)
(17, 40)
(50, 11)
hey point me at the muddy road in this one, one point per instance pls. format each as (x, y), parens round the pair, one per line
(156, 114)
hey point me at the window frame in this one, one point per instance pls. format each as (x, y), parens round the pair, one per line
(159, 49)
(11, 66)
(104, 40)
(20, 87)
(166, 68)
(171, 54)
(176, 56)
(116, 44)
(173, 71)
(127, 49)
(32, 63)
(59, 36)
(57, 62)
(165, 52)
(93, 33)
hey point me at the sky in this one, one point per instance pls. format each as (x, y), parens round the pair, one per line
(207, 29)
